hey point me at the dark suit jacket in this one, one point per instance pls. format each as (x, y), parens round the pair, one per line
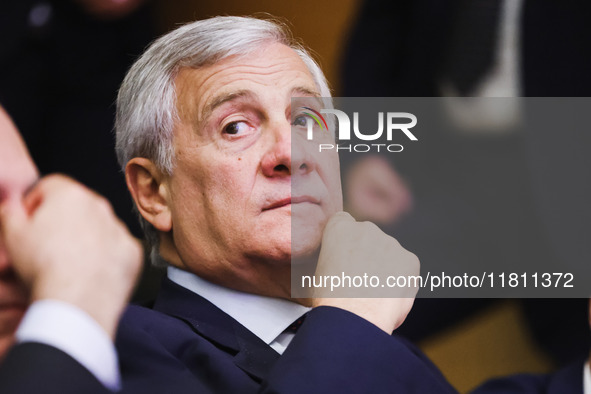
(188, 342)
(37, 368)
(187, 345)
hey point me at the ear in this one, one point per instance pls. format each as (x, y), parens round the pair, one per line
(149, 191)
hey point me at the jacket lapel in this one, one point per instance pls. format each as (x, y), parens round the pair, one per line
(251, 354)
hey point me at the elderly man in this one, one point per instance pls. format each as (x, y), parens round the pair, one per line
(67, 265)
(204, 135)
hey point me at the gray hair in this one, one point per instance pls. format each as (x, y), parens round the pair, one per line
(146, 104)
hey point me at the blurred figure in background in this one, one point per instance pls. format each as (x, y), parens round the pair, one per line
(461, 183)
(61, 63)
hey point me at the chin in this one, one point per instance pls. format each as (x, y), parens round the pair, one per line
(276, 248)
(306, 236)
(304, 244)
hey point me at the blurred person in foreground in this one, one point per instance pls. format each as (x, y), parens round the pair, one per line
(67, 267)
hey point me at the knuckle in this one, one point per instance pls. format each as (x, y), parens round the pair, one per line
(103, 204)
(369, 227)
(58, 180)
(413, 258)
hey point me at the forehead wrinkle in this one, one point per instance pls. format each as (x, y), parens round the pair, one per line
(248, 94)
(237, 68)
(191, 81)
(228, 71)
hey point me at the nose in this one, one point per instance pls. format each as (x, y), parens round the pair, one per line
(4, 260)
(286, 156)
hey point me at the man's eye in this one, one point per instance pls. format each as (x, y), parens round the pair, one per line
(300, 120)
(236, 128)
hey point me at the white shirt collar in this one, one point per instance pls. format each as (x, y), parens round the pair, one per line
(265, 317)
(586, 379)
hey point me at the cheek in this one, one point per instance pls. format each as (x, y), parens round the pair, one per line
(211, 195)
(4, 263)
(332, 179)
(9, 321)
(234, 181)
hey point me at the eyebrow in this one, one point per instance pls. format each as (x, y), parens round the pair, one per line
(224, 98)
(242, 94)
(303, 91)
(307, 95)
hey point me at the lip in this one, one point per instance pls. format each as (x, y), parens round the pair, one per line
(278, 204)
(303, 199)
(292, 200)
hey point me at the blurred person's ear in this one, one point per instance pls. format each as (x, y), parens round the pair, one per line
(149, 192)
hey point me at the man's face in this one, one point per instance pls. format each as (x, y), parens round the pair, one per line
(17, 173)
(230, 194)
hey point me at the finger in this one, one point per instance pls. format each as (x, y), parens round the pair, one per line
(13, 219)
(337, 223)
(32, 197)
(340, 217)
(49, 187)
(52, 182)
